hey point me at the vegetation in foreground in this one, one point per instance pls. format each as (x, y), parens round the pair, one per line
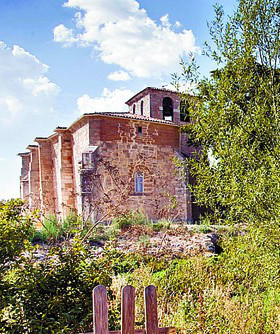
(237, 291)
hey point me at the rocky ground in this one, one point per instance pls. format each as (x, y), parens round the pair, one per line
(178, 241)
(174, 242)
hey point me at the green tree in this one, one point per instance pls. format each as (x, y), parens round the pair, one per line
(236, 117)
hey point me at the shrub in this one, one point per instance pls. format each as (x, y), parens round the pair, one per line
(128, 219)
(16, 227)
(54, 229)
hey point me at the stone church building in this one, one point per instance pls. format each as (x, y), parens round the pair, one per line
(111, 162)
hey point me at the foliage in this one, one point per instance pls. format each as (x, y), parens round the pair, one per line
(16, 227)
(130, 218)
(55, 295)
(234, 292)
(54, 229)
(236, 118)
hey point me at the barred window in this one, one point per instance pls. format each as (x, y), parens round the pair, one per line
(139, 182)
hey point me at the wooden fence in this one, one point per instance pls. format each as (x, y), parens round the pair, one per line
(100, 312)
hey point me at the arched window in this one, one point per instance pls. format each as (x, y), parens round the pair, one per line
(134, 108)
(142, 108)
(167, 106)
(184, 111)
(139, 182)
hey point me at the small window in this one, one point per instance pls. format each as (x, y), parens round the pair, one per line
(86, 184)
(184, 111)
(88, 160)
(134, 109)
(139, 183)
(142, 108)
(139, 130)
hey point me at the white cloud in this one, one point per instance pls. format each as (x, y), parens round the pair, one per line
(24, 84)
(64, 35)
(109, 101)
(119, 76)
(125, 35)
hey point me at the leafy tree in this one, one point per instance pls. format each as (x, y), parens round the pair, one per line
(236, 117)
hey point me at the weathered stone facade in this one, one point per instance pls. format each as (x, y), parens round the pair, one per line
(108, 162)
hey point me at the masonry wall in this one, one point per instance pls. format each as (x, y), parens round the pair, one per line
(47, 192)
(146, 105)
(80, 143)
(24, 176)
(68, 198)
(123, 151)
(121, 148)
(34, 180)
(56, 158)
(156, 104)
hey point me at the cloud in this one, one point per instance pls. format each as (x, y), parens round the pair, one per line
(64, 35)
(24, 84)
(123, 34)
(119, 76)
(109, 101)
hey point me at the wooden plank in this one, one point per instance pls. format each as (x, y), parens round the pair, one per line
(151, 315)
(100, 310)
(128, 310)
(167, 330)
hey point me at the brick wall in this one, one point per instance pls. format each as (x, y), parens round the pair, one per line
(47, 193)
(24, 176)
(67, 175)
(34, 179)
(124, 151)
(80, 143)
(121, 148)
(156, 104)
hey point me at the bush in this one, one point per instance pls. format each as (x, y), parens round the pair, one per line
(16, 227)
(130, 218)
(54, 229)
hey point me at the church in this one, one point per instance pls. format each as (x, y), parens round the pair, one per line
(111, 162)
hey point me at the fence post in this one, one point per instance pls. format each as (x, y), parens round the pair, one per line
(151, 310)
(128, 310)
(100, 310)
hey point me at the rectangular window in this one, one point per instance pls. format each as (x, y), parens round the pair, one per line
(86, 184)
(139, 130)
(88, 160)
(139, 183)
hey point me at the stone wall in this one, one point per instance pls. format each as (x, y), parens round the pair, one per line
(80, 143)
(47, 192)
(67, 175)
(156, 104)
(123, 151)
(34, 179)
(152, 99)
(24, 176)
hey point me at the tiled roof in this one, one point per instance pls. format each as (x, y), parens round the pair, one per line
(151, 88)
(131, 116)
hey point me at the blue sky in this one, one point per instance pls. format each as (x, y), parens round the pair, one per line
(59, 59)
